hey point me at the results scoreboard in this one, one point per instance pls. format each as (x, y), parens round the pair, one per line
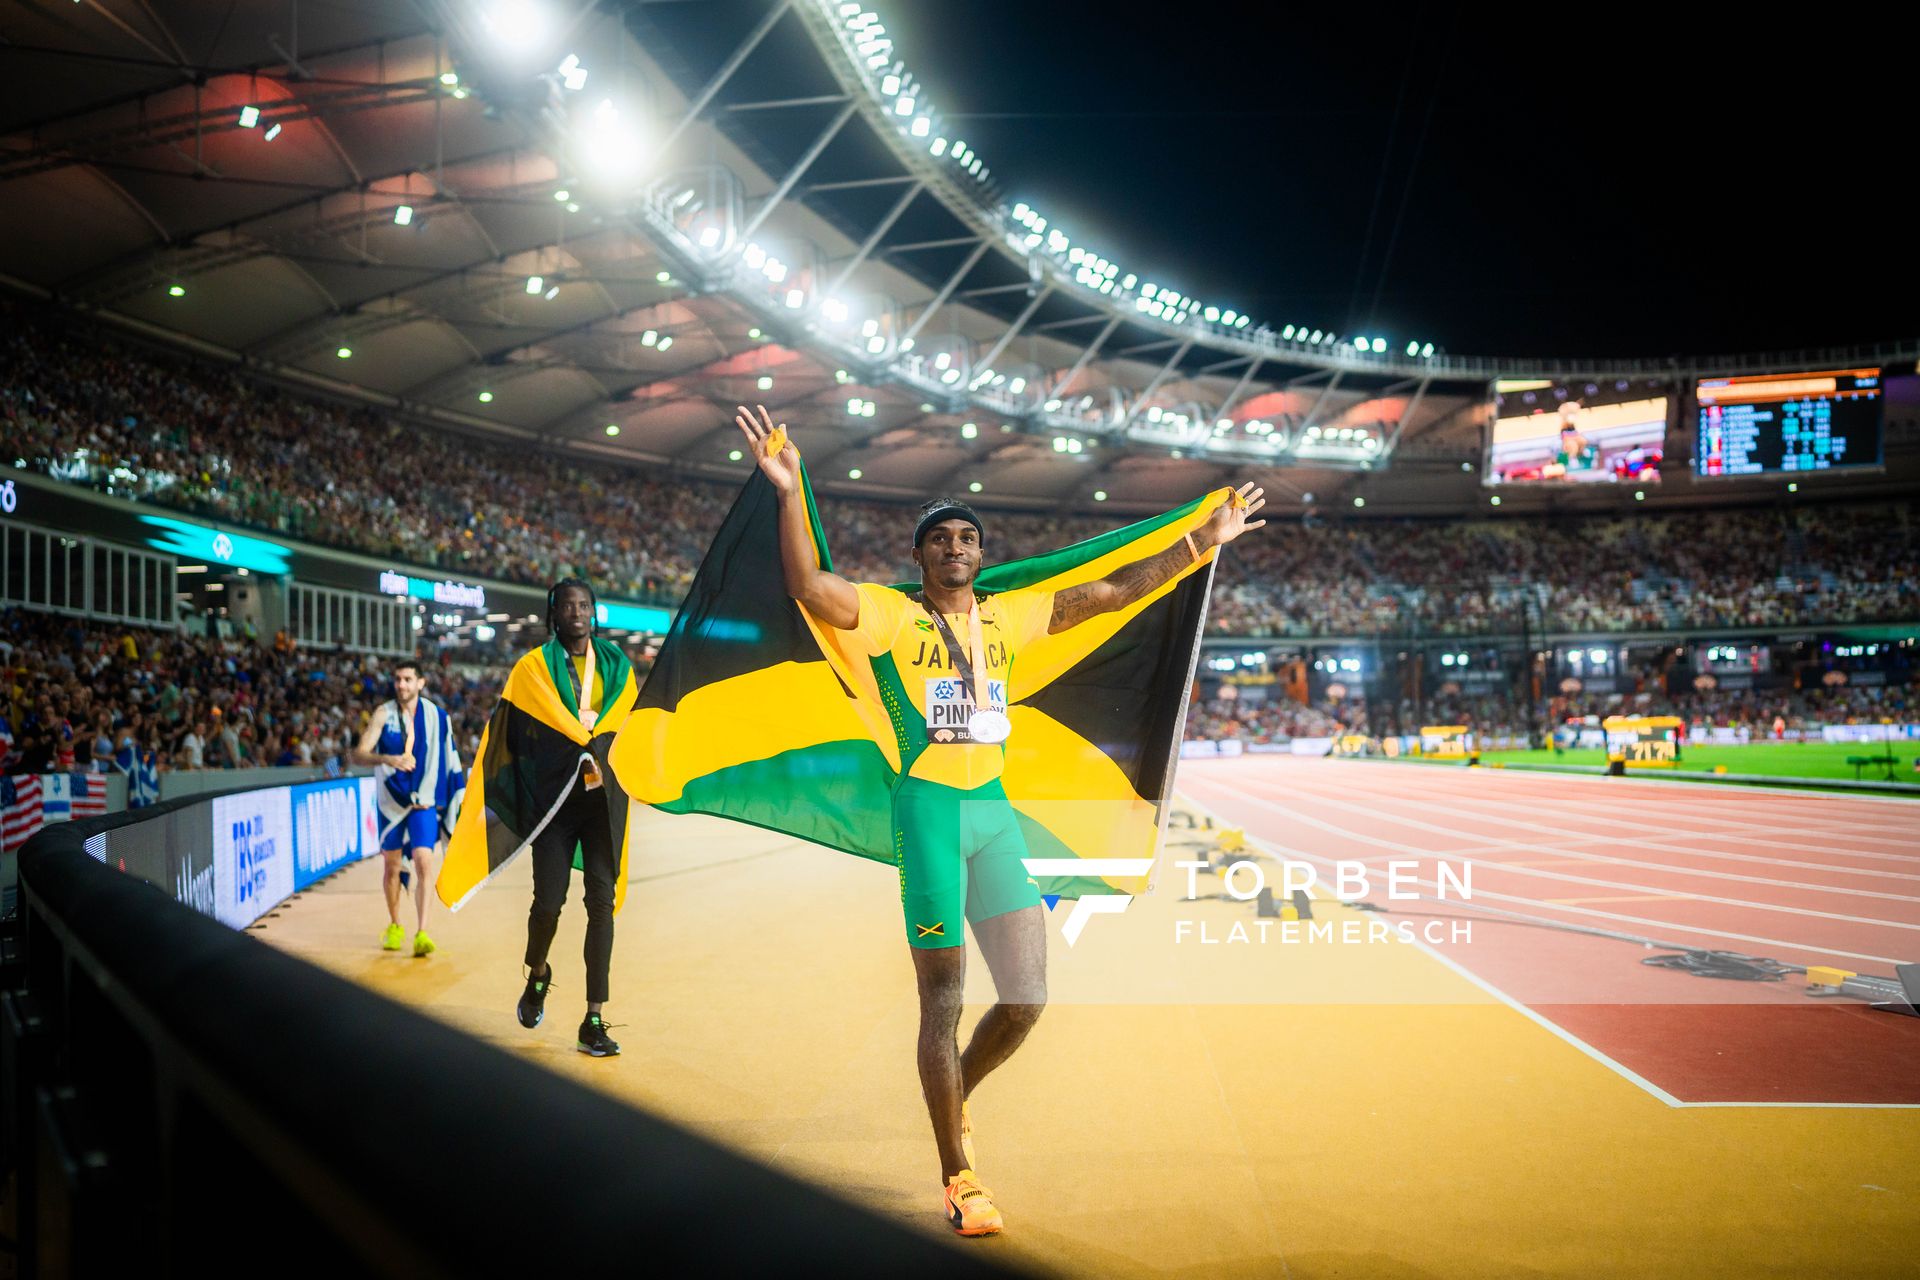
(1788, 423)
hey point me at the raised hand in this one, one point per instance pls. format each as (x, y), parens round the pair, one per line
(772, 450)
(1235, 516)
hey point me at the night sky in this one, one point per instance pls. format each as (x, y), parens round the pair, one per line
(1620, 181)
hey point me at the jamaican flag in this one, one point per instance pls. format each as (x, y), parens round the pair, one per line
(529, 755)
(757, 712)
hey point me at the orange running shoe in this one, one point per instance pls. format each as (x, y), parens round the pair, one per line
(970, 1208)
(966, 1135)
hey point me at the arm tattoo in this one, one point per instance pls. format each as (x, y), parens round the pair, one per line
(1118, 589)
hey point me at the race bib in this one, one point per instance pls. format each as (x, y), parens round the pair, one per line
(950, 712)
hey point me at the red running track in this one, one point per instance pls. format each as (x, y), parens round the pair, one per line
(1801, 877)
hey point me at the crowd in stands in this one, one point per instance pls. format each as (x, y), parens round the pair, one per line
(1762, 713)
(92, 409)
(76, 695)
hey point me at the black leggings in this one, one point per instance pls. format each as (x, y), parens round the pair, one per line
(583, 819)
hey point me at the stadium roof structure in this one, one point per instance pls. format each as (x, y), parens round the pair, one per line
(549, 220)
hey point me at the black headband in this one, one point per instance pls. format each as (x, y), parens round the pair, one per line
(939, 515)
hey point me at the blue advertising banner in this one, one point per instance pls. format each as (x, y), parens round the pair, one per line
(331, 828)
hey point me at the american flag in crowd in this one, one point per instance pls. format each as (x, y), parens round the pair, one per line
(31, 801)
(23, 814)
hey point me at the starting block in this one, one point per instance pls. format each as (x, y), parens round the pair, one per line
(1824, 980)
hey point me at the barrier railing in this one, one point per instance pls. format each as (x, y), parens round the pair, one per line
(177, 1098)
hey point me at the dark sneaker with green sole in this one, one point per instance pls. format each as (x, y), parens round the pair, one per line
(594, 1039)
(533, 1001)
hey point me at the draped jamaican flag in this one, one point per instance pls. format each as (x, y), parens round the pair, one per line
(529, 754)
(757, 712)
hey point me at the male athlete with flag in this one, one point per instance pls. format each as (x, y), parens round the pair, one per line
(418, 784)
(542, 782)
(949, 730)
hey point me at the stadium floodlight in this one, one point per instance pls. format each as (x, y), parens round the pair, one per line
(973, 487)
(572, 74)
(1315, 338)
(403, 215)
(1446, 659)
(1287, 333)
(1596, 655)
(176, 291)
(903, 105)
(516, 24)
(765, 383)
(343, 353)
(890, 84)
(535, 284)
(609, 148)
(1379, 346)
(1426, 351)
(754, 256)
(449, 79)
(573, 206)
(834, 310)
(796, 298)
(709, 237)
(776, 270)
(854, 473)
(853, 406)
(1413, 348)
(1059, 444)
(876, 344)
(665, 342)
(650, 337)
(1496, 499)
(1360, 344)
(1099, 495)
(249, 117)
(1459, 659)
(1359, 502)
(613, 428)
(921, 127)
(272, 132)
(1370, 444)
(1639, 495)
(1075, 446)
(1791, 488)
(938, 146)
(485, 397)
(733, 455)
(968, 430)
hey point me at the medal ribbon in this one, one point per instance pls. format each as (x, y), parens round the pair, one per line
(583, 692)
(977, 642)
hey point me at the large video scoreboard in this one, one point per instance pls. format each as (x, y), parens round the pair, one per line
(1785, 423)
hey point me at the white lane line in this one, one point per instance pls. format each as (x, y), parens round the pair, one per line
(1772, 831)
(1495, 865)
(1789, 799)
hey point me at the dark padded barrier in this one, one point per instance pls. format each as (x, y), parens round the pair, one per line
(181, 1099)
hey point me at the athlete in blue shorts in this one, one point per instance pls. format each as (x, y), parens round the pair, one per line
(418, 782)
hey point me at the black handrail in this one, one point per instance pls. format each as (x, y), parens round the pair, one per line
(182, 1099)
